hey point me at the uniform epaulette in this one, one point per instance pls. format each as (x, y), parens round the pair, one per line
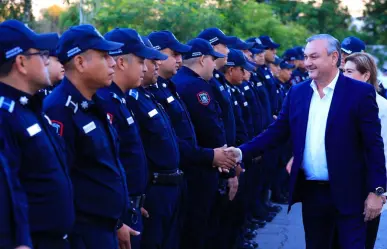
(133, 93)
(72, 105)
(7, 104)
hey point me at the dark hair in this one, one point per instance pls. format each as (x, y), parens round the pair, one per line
(6, 68)
(365, 63)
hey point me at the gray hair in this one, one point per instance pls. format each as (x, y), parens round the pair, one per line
(333, 44)
(190, 62)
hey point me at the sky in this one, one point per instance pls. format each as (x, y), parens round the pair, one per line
(355, 6)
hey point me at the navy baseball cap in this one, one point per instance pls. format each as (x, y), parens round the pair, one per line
(236, 58)
(276, 61)
(268, 42)
(291, 55)
(241, 45)
(256, 50)
(166, 39)
(201, 47)
(52, 49)
(79, 39)
(133, 44)
(352, 44)
(216, 36)
(257, 43)
(285, 65)
(300, 50)
(17, 38)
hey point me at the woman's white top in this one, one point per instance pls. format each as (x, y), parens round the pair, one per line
(382, 104)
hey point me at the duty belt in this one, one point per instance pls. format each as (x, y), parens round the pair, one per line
(137, 201)
(171, 179)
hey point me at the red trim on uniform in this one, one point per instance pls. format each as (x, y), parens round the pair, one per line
(60, 124)
(110, 116)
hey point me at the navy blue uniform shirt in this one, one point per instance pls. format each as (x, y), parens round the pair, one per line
(254, 108)
(132, 153)
(268, 81)
(92, 150)
(258, 79)
(158, 136)
(36, 155)
(14, 229)
(165, 93)
(222, 95)
(298, 76)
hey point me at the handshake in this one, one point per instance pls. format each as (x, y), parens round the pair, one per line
(227, 158)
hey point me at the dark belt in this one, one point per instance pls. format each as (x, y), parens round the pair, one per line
(96, 220)
(320, 183)
(137, 202)
(170, 179)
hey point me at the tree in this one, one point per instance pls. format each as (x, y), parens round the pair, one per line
(11, 9)
(376, 21)
(51, 17)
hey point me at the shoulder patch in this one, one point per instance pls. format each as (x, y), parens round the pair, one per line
(204, 98)
(58, 126)
(7, 104)
(133, 93)
(110, 117)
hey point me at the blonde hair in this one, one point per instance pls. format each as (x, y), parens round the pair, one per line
(365, 63)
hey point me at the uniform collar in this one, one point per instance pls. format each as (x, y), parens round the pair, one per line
(114, 88)
(23, 98)
(189, 71)
(75, 96)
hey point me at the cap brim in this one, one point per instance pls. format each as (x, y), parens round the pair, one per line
(105, 45)
(256, 50)
(253, 64)
(273, 46)
(248, 66)
(151, 54)
(180, 48)
(46, 41)
(228, 40)
(217, 55)
(346, 51)
(288, 66)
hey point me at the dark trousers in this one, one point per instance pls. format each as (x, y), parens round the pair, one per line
(161, 228)
(202, 188)
(47, 241)
(321, 219)
(134, 221)
(92, 236)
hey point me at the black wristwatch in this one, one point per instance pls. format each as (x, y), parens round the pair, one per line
(379, 191)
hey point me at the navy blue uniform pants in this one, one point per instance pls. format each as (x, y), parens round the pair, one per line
(161, 229)
(321, 219)
(92, 236)
(200, 197)
(47, 241)
(135, 221)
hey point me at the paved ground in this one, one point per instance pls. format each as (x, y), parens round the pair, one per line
(287, 232)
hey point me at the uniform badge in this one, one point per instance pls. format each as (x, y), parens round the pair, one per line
(110, 117)
(164, 85)
(23, 100)
(84, 105)
(298, 79)
(204, 98)
(221, 88)
(58, 126)
(217, 76)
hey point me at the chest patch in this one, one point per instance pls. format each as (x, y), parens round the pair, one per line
(204, 98)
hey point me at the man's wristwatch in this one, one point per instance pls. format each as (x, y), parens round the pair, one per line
(379, 191)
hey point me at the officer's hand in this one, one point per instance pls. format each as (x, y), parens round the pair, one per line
(234, 153)
(123, 235)
(222, 159)
(233, 187)
(144, 213)
(22, 247)
(373, 206)
(238, 170)
(289, 165)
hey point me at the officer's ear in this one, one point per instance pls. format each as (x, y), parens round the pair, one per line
(20, 64)
(201, 60)
(120, 62)
(79, 63)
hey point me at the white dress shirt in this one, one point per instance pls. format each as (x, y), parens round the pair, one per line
(382, 104)
(315, 158)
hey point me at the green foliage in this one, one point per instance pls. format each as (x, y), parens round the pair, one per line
(376, 21)
(11, 9)
(69, 18)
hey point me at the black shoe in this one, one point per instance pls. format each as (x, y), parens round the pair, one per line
(252, 242)
(280, 199)
(250, 234)
(252, 226)
(274, 208)
(260, 222)
(245, 245)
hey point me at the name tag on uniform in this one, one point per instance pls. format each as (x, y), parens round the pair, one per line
(130, 120)
(267, 76)
(152, 113)
(221, 88)
(247, 88)
(235, 102)
(33, 130)
(259, 84)
(170, 99)
(232, 89)
(245, 104)
(277, 91)
(89, 127)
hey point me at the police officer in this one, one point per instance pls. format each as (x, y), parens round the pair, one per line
(55, 70)
(129, 71)
(33, 150)
(274, 66)
(100, 192)
(283, 78)
(301, 65)
(13, 214)
(349, 46)
(163, 194)
(292, 56)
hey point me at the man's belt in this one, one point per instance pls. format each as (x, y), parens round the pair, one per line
(170, 179)
(137, 202)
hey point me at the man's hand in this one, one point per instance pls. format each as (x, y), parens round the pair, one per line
(239, 170)
(123, 235)
(222, 159)
(22, 247)
(289, 165)
(235, 153)
(373, 206)
(233, 187)
(144, 213)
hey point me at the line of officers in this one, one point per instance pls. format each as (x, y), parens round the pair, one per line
(127, 148)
